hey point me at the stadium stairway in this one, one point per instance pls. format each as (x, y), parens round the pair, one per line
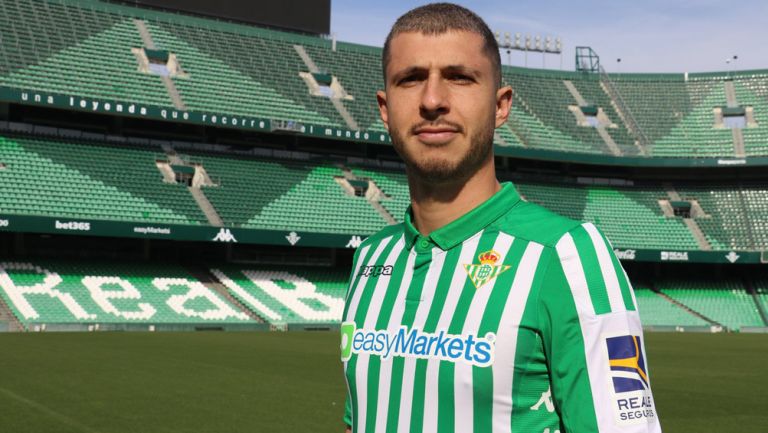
(696, 231)
(604, 135)
(755, 297)
(335, 101)
(149, 43)
(300, 295)
(202, 275)
(736, 133)
(205, 205)
(7, 316)
(373, 196)
(199, 179)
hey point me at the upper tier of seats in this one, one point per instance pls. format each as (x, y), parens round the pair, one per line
(735, 214)
(85, 49)
(122, 182)
(84, 180)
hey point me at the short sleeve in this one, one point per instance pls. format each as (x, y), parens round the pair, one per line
(593, 339)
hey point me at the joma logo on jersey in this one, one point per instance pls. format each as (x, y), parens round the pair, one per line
(375, 271)
(413, 343)
(486, 270)
(625, 357)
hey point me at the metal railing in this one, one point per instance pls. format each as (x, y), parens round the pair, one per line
(625, 113)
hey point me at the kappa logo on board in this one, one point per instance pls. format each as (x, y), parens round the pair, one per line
(354, 242)
(224, 235)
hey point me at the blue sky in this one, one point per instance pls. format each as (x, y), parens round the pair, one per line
(649, 36)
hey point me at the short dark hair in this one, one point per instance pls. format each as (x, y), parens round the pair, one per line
(439, 18)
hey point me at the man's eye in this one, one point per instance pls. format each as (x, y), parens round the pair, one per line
(408, 79)
(462, 78)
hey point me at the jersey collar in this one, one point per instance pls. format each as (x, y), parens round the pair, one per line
(465, 226)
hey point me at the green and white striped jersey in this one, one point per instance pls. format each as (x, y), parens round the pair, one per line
(509, 319)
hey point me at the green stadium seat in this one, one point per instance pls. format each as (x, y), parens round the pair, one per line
(84, 49)
(61, 292)
(297, 295)
(726, 301)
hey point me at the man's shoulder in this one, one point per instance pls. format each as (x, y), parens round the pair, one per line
(388, 232)
(536, 223)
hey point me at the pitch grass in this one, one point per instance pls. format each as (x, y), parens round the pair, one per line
(292, 382)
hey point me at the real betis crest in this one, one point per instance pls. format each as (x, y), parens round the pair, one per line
(486, 270)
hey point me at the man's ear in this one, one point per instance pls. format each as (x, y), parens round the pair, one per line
(381, 99)
(503, 104)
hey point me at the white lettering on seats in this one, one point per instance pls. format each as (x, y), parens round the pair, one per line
(294, 298)
(220, 311)
(18, 294)
(103, 297)
(246, 297)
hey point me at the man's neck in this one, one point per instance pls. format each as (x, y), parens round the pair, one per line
(437, 205)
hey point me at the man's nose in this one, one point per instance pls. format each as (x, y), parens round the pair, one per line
(434, 98)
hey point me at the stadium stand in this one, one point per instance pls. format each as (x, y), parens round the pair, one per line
(694, 135)
(56, 292)
(547, 96)
(726, 301)
(319, 204)
(61, 292)
(230, 85)
(546, 101)
(121, 182)
(628, 217)
(92, 50)
(652, 98)
(736, 214)
(655, 310)
(105, 51)
(246, 185)
(752, 90)
(395, 185)
(95, 60)
(80, 180)
(297, 295)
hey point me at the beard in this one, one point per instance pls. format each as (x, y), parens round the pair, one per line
(441, 170)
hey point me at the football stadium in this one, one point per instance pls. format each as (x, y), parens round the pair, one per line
(182, 190)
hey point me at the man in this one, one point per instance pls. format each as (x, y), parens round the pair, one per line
(481, 312)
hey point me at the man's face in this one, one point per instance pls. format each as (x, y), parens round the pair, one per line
(442, 104)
